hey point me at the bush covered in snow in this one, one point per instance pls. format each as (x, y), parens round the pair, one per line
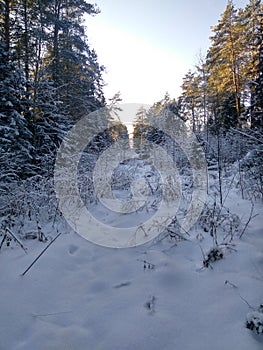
(255, 320)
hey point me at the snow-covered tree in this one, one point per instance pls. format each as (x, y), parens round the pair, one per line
(15, 136)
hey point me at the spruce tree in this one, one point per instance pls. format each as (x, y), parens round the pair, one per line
(70, 62)
(15, 136)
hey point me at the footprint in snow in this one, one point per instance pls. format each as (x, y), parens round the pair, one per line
(123, 284)
(72, 249)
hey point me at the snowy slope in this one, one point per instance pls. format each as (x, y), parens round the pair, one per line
(81, 296)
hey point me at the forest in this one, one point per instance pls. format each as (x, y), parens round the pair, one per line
(50, 78)
(50, 82)
(222, 97)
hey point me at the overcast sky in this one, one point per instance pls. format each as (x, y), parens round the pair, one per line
(148, 45)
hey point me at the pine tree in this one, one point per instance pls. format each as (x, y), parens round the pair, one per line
(71, 64)
(254, 36)
(191, 99)
(140, 129)
(224, 59)
(202, 81)
(257, 115)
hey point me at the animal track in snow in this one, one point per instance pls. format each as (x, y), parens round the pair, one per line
(72, 249)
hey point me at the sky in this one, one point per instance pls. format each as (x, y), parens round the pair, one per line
(147, 46)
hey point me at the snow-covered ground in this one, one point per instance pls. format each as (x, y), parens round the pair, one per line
(80, 296)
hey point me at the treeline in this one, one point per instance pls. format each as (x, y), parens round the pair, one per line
(226, 88)
(221, 101)
(49, 78)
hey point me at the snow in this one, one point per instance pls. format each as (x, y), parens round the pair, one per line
(82, 296)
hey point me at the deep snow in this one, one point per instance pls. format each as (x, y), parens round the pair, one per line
(82, 296)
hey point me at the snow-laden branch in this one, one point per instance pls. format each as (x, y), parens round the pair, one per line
(244, 134)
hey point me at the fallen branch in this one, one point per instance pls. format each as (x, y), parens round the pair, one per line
(43, 251)
(244, 134)
(51, 314)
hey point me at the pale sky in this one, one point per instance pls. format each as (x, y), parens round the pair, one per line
(147, 46)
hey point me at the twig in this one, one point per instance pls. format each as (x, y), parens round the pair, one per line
(240, 296)
(206, 262)
(16, 239)
(55, 216)
(249, 136)
(52, 314)
(43, 251)
(231, 284)
(2, 242)
(251, 307)
(228, 246)
(180, 226)
(202, 251)
(248, 221)
(229, 188)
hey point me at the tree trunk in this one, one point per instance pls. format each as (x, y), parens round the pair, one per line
(56, 41)
(7, 25)
(26, 46)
